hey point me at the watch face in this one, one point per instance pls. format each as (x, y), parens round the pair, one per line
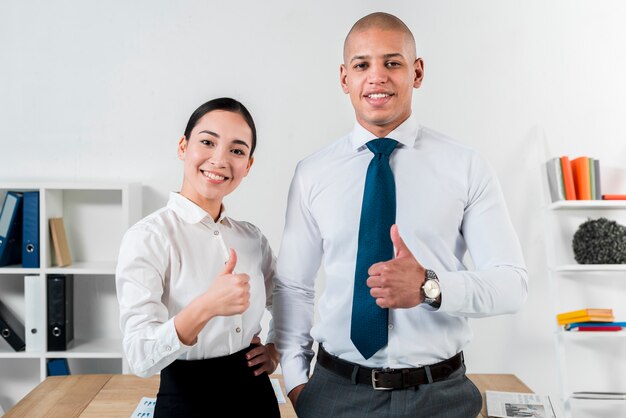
(431, 289)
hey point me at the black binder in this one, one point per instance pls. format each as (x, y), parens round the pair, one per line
(60, 294)
(11, 329)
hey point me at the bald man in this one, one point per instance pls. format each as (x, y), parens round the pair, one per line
(448, 203)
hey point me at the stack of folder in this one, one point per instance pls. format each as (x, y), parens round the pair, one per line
(589, 319)
(19, 244)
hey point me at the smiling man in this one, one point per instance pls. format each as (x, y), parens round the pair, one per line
(392, 209)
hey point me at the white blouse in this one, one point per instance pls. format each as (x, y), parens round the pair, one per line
(171, 257)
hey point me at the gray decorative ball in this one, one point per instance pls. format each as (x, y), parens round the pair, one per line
(600, 241)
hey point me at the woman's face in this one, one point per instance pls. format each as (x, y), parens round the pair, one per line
(217, 157)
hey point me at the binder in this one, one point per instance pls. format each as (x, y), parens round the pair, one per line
(11, 329)
(30, 230)
(58, 367)
(60, 295)
(10, 229)
(35, 313)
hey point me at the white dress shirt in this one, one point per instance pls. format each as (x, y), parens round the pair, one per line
(171, 257)
(449, 203)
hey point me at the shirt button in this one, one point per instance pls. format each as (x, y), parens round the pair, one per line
(390, 327)
(168, 348)
(152, 361)
(238, 330)
(216, 232)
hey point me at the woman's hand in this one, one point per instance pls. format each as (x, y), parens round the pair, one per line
(263, 358)
(229, 294)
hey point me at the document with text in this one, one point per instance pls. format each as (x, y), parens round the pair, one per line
(515, 404)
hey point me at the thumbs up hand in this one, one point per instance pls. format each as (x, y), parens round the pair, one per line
(229, 294)
(230, 264)
(397, 283)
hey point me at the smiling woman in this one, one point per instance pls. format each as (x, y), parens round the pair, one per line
(217, 150)
(184, 311)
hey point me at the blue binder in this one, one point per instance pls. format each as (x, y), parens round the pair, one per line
(11, 229)
(30, 230)
(58, 367)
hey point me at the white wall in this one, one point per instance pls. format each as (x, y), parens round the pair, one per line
(102, 91)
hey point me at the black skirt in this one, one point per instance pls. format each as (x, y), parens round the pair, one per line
(201, 388)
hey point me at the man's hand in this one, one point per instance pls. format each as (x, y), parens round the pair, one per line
(263, 358)
(397, 283)
(295, 393)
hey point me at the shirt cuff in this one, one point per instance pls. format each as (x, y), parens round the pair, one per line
(453, 292)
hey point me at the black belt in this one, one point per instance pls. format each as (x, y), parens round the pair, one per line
(387, 379)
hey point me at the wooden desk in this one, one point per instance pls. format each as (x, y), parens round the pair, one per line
(501, 382)
(117, 396)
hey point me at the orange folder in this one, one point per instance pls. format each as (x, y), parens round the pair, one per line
(582, 178)
(568, 178)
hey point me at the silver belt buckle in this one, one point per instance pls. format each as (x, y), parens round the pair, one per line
(375, 380)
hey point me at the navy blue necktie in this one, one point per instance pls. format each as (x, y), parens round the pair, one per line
(378, 212)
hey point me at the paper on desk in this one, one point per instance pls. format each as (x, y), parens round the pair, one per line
(514, 404)
(278, 390)
(145, 408)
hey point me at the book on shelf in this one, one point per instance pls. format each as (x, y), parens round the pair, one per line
(582, 178)
(586, 318)
(568, 178)
(598, 326)
(592, 179)
(574, 179)
(62, 255)
(585, 315)
(516, 404)
(614, 197)
(555, 179)
(596, 329)
(586, 311)
(595, 175)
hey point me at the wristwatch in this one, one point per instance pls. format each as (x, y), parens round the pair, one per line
(431, 288)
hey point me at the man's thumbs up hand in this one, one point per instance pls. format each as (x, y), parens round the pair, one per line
(397, 283)
(401, 250)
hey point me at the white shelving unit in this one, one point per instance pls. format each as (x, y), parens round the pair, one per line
(587, 361)
(96, 216)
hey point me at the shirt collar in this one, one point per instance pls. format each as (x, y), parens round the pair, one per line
(190, 212)
(405, 134)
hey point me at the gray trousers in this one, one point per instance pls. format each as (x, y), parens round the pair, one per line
(328, 395)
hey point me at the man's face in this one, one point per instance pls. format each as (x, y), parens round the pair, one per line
(379, 72)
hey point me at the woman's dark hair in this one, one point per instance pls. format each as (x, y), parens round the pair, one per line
(223, 103)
